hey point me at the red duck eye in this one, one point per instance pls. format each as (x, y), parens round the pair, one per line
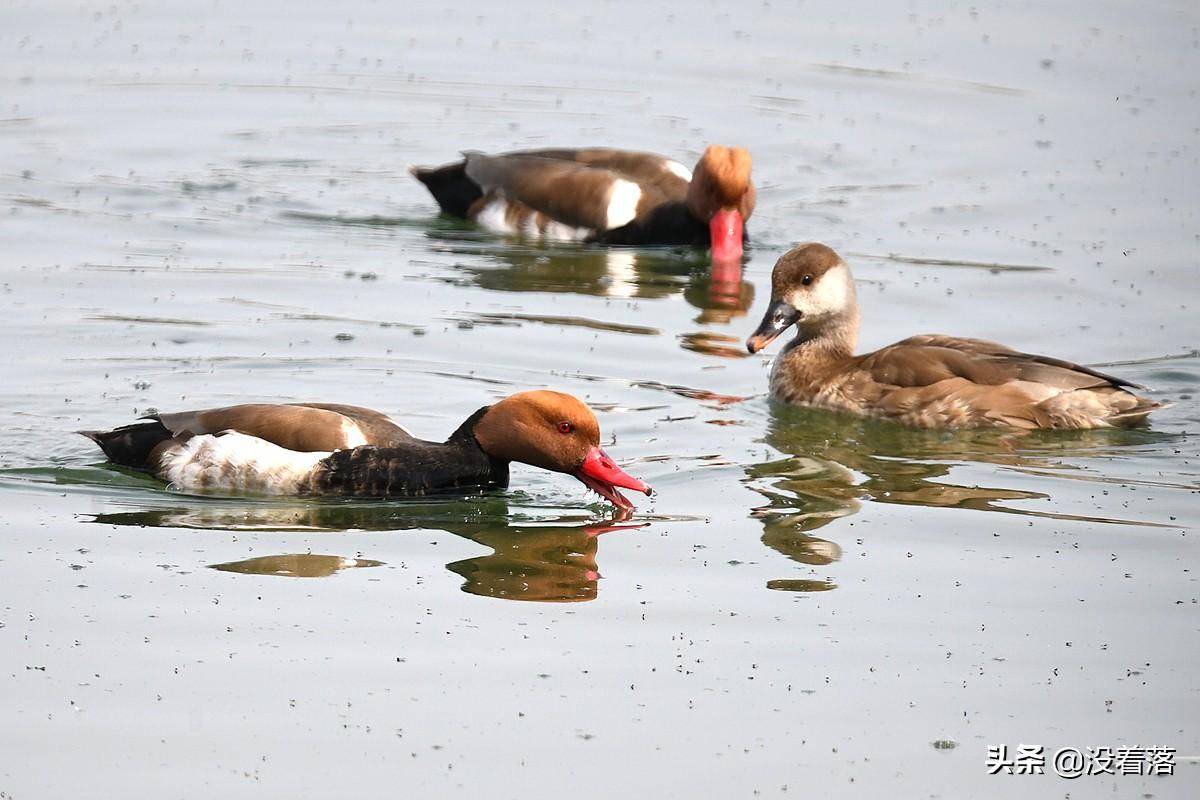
(565, 427)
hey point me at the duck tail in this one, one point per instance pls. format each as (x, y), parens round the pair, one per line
(130, 445)
(451, 188)
(1137, 415)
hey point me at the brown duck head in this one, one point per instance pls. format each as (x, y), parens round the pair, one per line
(811, 287)
(558, 432)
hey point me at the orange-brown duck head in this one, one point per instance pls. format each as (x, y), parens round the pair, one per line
(722, 196)
(555, 431)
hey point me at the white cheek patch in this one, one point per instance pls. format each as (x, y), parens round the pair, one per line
(678, 169)
(623, 201)
(235, 462)
(830, 294)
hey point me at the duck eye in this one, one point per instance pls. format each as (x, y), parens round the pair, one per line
(565, 427)
(806, 280)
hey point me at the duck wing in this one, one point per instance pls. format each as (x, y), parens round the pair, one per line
(303, 427)
(596, 195)
(925, 360)
(943, 381)
(645, 169)
(379, 429)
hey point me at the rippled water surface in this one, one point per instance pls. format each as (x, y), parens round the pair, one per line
(205, 204)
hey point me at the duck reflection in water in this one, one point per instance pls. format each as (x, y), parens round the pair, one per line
(551, 561)
(545, 563)
(722, 296)
(296, 565)
(716, 289)
(838, 461)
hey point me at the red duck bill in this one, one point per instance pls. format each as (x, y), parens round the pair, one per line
(601, 474)
(725, 230)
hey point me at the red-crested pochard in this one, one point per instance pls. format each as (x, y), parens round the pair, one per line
(329, 449)
(927, 381)
(595, 194)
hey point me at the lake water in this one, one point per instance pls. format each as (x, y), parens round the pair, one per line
(208, 203)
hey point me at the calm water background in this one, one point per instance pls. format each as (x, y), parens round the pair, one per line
(207, 203)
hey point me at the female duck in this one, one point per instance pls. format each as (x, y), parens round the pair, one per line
(602, 195)
(929, 381)
(328, 449)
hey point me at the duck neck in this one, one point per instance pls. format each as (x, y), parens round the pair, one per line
(473, 457)
(833, 340)
(413, 468)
